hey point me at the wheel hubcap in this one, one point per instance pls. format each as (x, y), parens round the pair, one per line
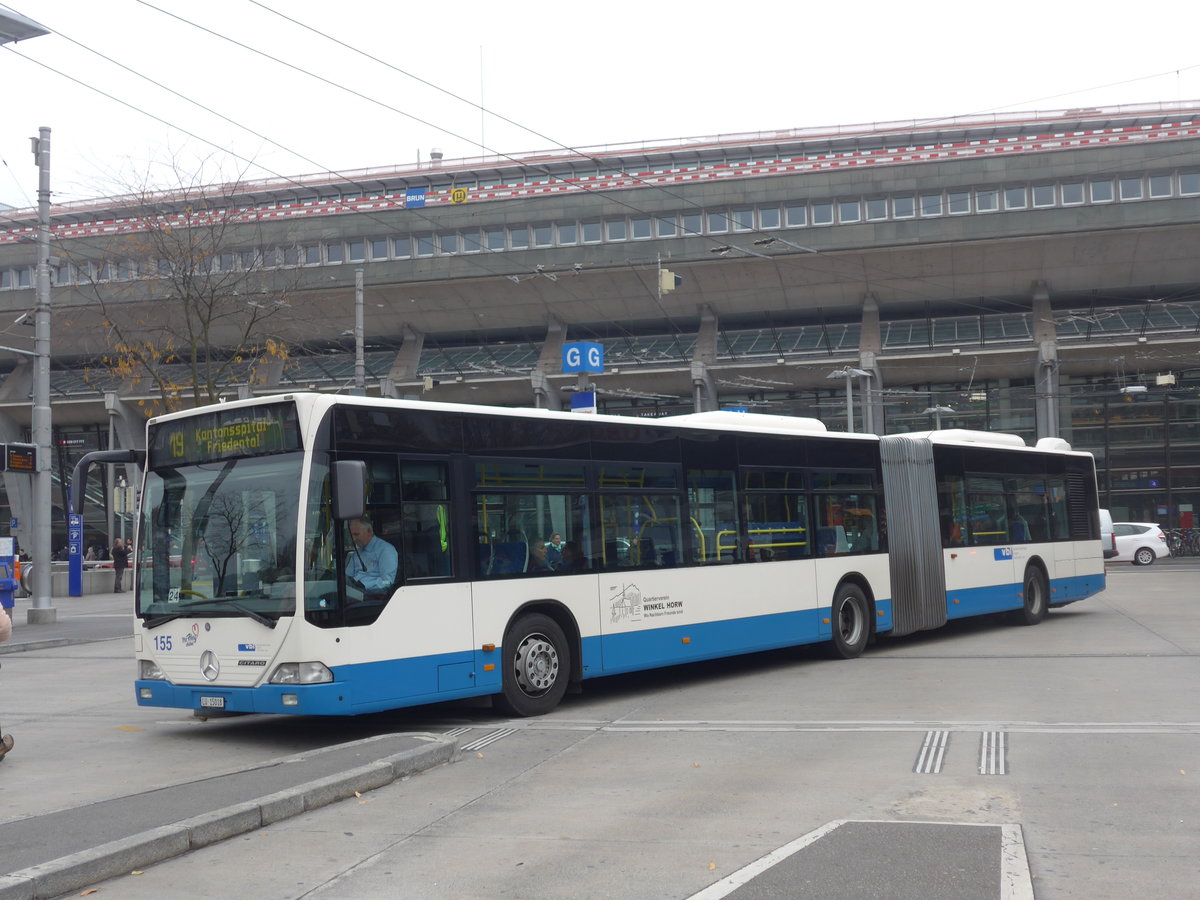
(848, 622)
(536, 664)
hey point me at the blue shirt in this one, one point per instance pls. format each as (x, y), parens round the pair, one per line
(373, 566)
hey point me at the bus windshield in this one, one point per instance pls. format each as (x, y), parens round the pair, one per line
(219, 539)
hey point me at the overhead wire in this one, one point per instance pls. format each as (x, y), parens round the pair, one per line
(423, 81)
(786, 259)
(792, 259)
(474, 260)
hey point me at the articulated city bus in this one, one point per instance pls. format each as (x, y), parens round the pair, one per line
(328, 555)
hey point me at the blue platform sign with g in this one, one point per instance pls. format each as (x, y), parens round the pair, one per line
(583, 356)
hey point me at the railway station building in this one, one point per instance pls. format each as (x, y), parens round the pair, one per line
(1035, 273)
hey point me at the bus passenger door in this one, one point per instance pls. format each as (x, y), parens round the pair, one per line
(982, 572)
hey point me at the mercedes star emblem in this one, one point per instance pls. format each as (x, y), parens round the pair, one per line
(210, 668)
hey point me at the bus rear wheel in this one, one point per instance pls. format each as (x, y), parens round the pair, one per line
(851, 620)
(537, 666)
(1036, 597)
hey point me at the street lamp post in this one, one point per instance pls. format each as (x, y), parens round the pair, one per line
(360, 365)
(936, 412)
(15, 27)
(849, 373)
(40, 609)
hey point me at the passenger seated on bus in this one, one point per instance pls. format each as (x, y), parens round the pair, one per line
(372, 562)
(539, 560)
(572, 558)
(553, 548)
(956, 535)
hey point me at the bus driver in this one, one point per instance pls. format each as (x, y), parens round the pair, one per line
(372, 562)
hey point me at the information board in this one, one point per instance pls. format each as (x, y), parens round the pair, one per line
(20, 457)
(225, 434)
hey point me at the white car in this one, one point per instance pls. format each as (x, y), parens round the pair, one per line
(1139, 542)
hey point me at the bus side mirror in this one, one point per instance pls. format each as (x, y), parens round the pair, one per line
(349, 489)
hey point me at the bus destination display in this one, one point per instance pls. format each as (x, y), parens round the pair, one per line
(225, 434)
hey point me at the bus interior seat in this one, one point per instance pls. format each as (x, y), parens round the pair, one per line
(832, 540)
(508, 558)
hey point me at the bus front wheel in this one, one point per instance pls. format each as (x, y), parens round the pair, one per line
(1036, 597)
(851, 622)
(537, 666)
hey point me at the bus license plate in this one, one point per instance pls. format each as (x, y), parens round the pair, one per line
(212, 702)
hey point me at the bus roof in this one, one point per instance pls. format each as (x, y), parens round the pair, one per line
(720, 420)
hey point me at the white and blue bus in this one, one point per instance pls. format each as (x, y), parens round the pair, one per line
(529, 550)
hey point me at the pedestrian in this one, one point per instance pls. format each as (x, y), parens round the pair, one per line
(6, 741)
(120, 560)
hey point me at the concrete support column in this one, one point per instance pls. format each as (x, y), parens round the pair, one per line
(542, 398)
(128, 424)
(407, 362)
(704, 387)
(1045, 375)
(870, 347)
(549, 362)
(19, 487)
(872, 399)
(18, 385)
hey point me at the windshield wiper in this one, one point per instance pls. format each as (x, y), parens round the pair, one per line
(155, 621)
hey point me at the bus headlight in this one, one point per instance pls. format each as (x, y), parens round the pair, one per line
(148, 670)
(301, 673)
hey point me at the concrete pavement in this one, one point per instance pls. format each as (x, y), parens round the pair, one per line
(50, 854)
(80, 620)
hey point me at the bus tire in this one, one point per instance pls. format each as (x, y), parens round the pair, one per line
(537, 666)
(850, 617)
(1036, 597)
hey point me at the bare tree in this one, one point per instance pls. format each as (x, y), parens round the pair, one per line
(189, 295)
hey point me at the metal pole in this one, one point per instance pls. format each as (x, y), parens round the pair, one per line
(110, 481)
(849, 405)
(41, 609)
(121, 504)
(360, 364)
(868, 413)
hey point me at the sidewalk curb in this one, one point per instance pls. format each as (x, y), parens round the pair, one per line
(50, 643)
(69, 873)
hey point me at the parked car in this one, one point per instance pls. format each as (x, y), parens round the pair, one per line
(1107, 539)
(1139, 542)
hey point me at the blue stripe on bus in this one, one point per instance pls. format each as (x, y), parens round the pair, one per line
(630, 651)
(965, 602)
(390, 684)
(1068, 590)
(355, 689)
(674, 644)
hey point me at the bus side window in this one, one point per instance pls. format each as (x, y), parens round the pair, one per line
(425, 540)
(988, 510)
(775, 520)
(424, 531)
(641, 530)
(952, 510)
(711, 531)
